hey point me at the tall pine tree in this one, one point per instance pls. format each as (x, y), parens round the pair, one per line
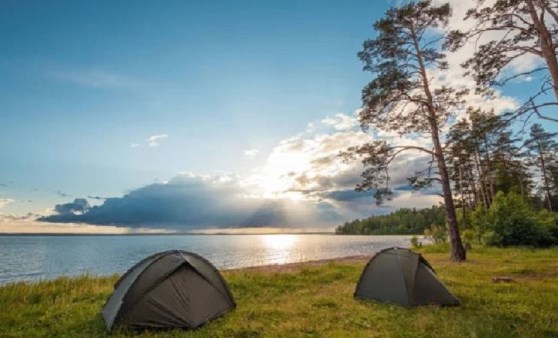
(527, 27)
(543, 150)
(402, 98)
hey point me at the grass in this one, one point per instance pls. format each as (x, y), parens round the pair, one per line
(317, 302)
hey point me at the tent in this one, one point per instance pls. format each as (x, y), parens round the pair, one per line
(401, 276)
(171, 289)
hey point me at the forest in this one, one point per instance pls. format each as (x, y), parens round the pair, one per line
(496, 170)
(505, 187)
(401, 222)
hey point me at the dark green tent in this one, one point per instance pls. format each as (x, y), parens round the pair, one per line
(171, 289)
(401, 276)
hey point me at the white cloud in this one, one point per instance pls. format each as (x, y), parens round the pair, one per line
(134, 145)
(341, 122)
(251, 153)
(455, 75)
(153, 140)
(28, 224)
(309, 167)
(5, 201)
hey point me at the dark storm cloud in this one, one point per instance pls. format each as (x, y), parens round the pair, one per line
(78, 206)
(188, 202)
(99, 198)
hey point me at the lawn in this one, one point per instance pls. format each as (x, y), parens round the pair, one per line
(317, 301)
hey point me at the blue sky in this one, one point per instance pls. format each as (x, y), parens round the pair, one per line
(85, 84)
(83, 80)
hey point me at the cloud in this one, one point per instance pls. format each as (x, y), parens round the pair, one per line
(62, 194)
(455, 75)
(5, 201)
(96, 197)
(303, 184)
(153, 140)
(251, 153)
(341, 122)
(195, 202)
(78, 206)
(134, 145)
(2, 184)
(28, 224)
(97, 78)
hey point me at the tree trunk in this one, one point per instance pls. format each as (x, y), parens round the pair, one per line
(545, 176)
(489, 167)
(547, 50)
(472, 184)
(458, 253)
(482, 185)
(457, 250)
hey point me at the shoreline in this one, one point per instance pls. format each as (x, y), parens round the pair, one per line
(316, 298)
(267, 268)
(296, 266)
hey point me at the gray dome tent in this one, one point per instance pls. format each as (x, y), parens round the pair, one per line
(171, 289)
(401, 276)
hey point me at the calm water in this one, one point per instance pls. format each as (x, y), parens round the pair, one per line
(29, 258)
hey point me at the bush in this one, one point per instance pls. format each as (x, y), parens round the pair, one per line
(437, 234)
(548, 222)
(511, 221)
(469, 236)
(491, 238)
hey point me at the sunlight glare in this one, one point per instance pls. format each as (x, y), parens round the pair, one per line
(279, 247)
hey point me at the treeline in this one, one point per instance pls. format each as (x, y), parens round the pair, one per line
(487, 158)
(505, 187)
(481, 163)
(400, 222)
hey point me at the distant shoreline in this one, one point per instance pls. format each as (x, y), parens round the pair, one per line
(167, 234)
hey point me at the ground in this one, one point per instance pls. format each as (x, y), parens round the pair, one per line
(316, 300)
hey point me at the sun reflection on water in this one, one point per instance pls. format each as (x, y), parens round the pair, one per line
(279, 247)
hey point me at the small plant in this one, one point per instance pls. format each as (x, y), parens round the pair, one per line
(491, 238)
(415, 242)
(437, 234)
(469, 237)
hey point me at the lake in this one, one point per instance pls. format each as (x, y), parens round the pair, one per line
(31, 258)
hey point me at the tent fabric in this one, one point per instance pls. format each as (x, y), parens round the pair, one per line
(168, 290)
(401, 276)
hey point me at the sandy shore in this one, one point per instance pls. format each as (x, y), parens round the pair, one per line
(293, 267)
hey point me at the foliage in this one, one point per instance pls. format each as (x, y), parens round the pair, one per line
(437, 234)
(401, 222)
(402, 98)
(542, 150)
(526, 27)
(318, 301)
(469, 236)
(511, 221)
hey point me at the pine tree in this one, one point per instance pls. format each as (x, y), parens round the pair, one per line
(543, 148)
(401, 98)
(527, 27)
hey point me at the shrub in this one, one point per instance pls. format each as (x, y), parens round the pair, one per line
(491, 238)
(468, 236)
(511, 221)
(437, 234)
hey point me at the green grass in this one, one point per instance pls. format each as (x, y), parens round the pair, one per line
(317, 302)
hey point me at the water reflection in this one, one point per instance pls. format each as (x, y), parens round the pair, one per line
(36, 257)
(279, 247)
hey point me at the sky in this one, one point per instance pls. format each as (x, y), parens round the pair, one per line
(186, 114)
